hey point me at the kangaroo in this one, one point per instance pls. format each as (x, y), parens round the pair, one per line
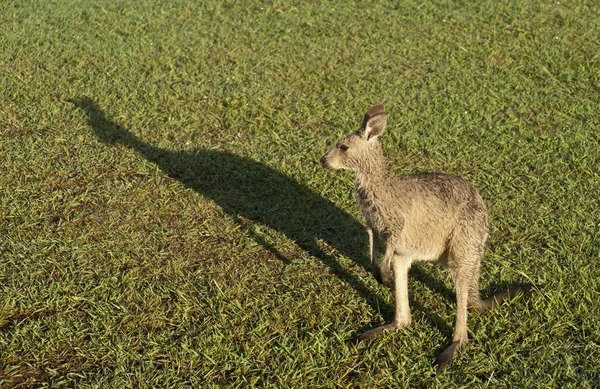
(419, 217)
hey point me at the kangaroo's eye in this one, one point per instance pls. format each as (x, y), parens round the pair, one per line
(343, 147)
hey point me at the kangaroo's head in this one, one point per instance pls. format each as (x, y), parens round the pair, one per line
(359, 149)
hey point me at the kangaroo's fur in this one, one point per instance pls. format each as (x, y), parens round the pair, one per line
(419, 217)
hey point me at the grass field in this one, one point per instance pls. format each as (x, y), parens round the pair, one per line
(164, 220)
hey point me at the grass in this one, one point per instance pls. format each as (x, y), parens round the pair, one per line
(164, 221)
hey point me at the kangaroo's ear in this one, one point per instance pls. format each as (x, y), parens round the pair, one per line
(374, 122)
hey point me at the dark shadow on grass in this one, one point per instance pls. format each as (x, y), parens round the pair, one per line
(251, 192)
(434, 284)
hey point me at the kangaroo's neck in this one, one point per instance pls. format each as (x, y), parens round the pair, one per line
(372, 183)
(372, 171)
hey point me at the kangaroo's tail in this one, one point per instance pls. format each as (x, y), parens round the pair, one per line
(482, 305)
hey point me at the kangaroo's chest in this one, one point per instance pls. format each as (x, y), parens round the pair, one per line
(374, 211)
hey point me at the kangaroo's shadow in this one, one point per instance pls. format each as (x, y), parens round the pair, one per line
(248, 190)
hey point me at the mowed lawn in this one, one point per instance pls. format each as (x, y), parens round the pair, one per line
(165, 222)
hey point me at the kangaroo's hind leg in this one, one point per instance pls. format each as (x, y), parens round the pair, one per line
(402, 318)
(460, 336)
(464, 260)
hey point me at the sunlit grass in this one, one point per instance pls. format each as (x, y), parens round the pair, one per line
(164, 221)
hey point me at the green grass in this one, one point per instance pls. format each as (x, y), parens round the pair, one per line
(164, 221)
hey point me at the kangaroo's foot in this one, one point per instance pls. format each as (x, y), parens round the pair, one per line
(445, 358)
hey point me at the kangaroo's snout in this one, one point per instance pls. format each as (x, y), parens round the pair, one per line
(325, 163)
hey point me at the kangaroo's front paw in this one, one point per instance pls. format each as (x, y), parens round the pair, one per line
(387, 279)
(377, 274)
